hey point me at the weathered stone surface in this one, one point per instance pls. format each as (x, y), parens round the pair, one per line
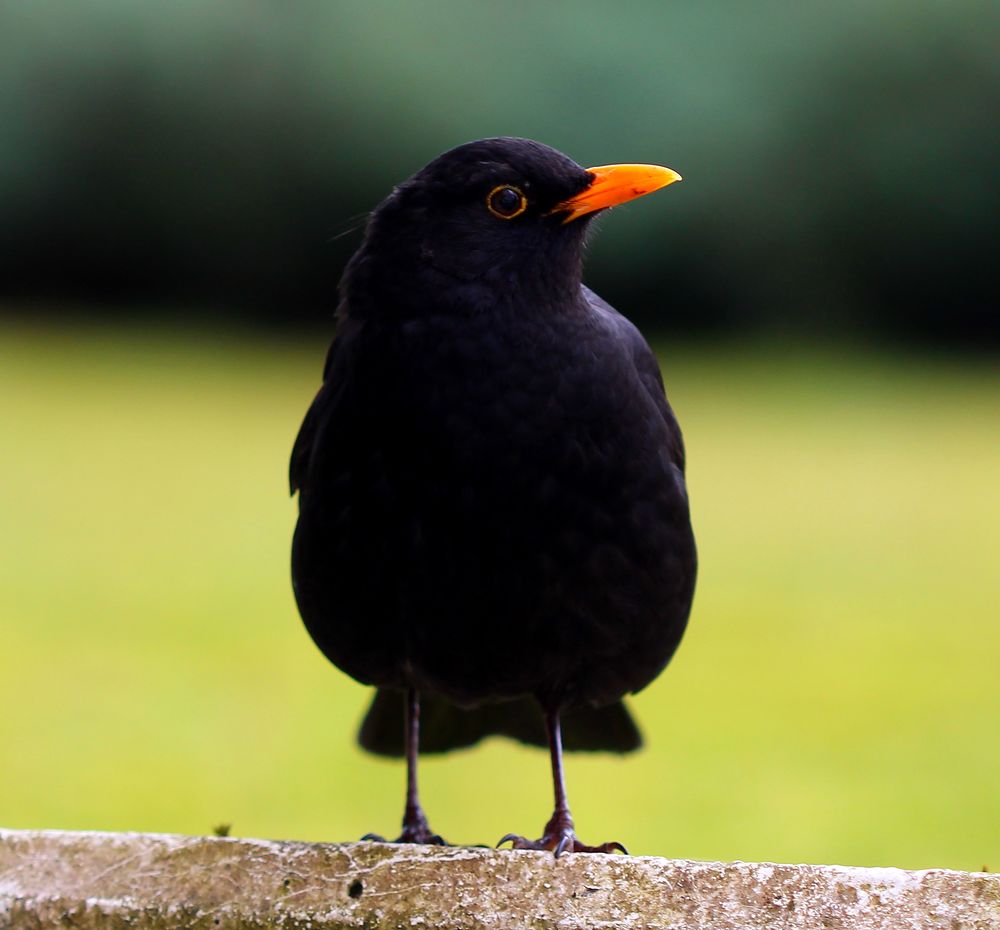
(106, 880)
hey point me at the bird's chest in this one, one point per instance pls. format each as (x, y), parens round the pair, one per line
(515, 430)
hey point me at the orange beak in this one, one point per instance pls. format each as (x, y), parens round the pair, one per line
(615, 184)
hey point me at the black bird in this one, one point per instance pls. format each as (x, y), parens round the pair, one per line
(493, 517)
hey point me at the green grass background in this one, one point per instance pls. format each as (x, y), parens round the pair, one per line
(836, 699)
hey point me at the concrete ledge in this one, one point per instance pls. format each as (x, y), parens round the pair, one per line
(161, 882)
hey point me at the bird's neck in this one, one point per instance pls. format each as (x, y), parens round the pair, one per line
(425, 284)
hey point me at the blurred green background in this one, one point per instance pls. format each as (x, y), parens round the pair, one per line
(179, 187)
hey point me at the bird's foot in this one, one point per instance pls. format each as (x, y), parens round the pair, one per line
(559, 837)
(416, 829)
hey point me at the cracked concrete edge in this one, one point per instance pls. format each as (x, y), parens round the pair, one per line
(166, 882)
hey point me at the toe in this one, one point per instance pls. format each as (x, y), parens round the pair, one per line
(603, 848)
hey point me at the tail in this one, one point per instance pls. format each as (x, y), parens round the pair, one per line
(444, 726)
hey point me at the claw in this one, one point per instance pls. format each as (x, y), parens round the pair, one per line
(560, 843)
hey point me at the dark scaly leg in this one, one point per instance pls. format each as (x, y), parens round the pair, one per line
(416, 829)
(558, 834)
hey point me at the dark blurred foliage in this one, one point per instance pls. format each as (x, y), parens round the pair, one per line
(840, 160)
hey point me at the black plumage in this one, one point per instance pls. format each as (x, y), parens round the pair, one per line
(493, 513)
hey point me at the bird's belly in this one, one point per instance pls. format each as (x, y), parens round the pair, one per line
(486, 563)
(547, 589)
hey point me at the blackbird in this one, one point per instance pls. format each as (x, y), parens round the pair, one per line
(493, 521)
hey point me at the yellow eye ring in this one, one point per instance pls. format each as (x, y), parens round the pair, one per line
(501, 204)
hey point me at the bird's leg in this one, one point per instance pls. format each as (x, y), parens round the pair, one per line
(415, 826)
(416, 829)
(558, 834)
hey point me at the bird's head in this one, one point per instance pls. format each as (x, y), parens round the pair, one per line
(496, 219)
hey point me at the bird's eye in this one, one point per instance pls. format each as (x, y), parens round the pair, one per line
(506, 202)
